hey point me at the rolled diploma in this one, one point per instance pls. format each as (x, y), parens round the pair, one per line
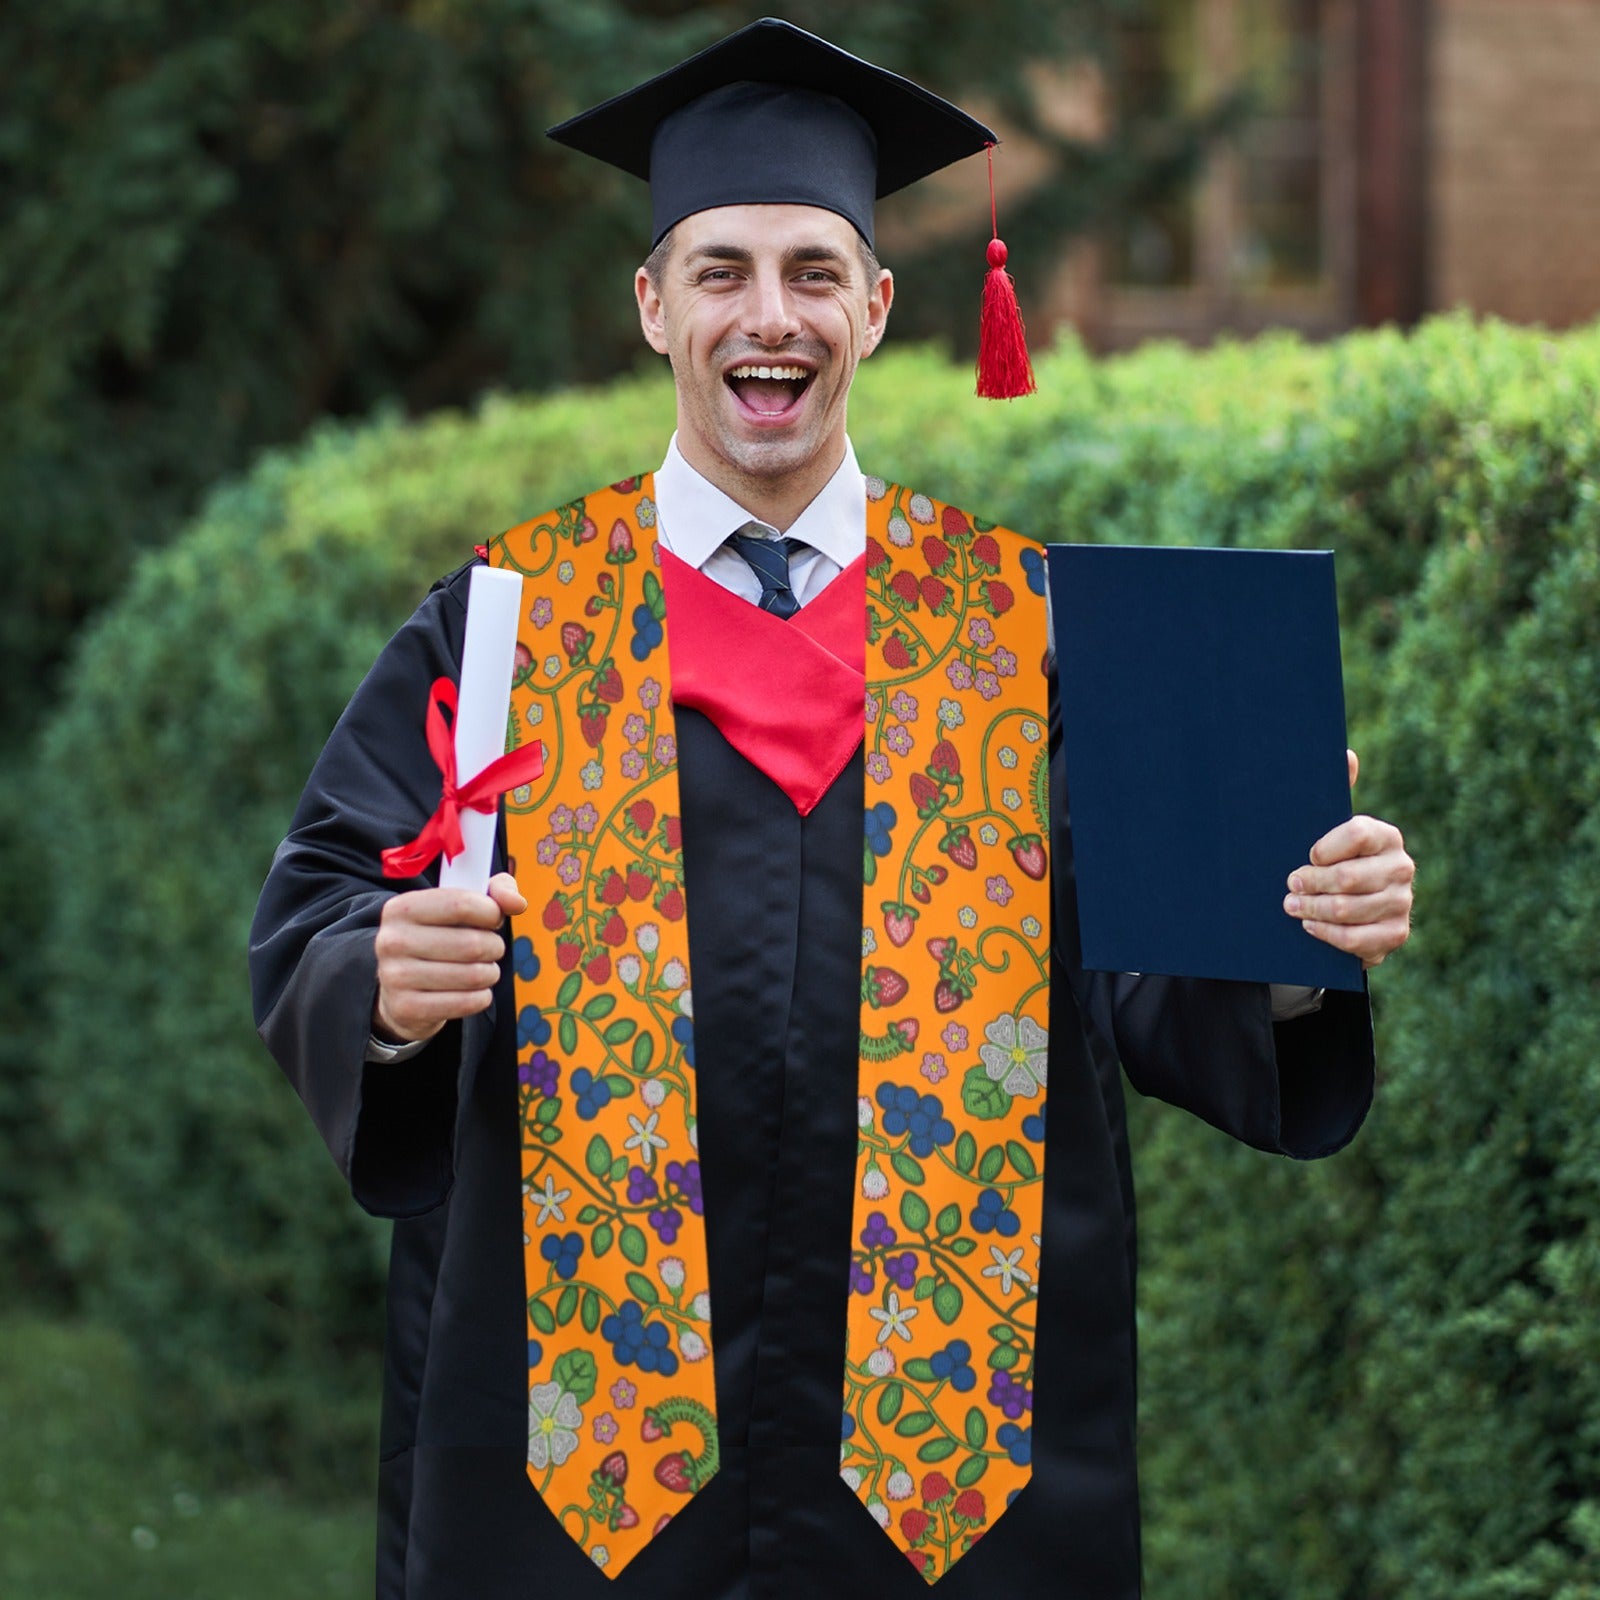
(494, 606)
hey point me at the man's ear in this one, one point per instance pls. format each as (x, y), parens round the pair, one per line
(652, 315)
(878, 303)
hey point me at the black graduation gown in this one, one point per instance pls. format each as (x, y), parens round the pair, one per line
(775, 918)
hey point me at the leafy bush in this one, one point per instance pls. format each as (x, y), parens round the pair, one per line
(1375, 1377)
(96, 1500)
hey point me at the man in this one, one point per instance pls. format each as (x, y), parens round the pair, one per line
(769, 1136)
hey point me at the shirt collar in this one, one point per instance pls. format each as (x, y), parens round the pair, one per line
(695, 516)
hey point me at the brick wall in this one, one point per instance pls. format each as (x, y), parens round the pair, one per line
(1514, 160)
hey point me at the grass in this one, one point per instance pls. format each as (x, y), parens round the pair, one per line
(92, 1502)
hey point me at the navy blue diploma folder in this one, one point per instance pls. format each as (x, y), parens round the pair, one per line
(1202, 713)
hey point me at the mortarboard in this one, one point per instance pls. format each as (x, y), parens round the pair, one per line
(774, 115)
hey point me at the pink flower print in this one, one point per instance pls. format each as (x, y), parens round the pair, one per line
(980, 632)
(874, 705)
(988, 685)
(622, 1394)
(633, 727)
(586, 818)
(561, 819)
(999, 889)
(933, 1067)
(955, 1037)
(632, 764)
(650, 694)
(568, 869)
(1005, 663)
(898, 739)
(878, 768)
(547, 850)
(605, 1428)
(543, 613)
(666, 748)
(904, 706)
(959, 674)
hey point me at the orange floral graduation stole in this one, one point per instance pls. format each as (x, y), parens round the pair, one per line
(937, 1399)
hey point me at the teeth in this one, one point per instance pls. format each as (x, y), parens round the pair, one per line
(798, 374)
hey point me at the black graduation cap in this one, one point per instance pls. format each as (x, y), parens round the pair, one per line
(774, 115)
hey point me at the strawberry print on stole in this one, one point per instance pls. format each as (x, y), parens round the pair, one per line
(944, 1273)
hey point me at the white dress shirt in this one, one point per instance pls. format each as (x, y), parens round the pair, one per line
(694, 518)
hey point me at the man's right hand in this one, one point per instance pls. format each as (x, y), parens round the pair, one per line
(438, 957)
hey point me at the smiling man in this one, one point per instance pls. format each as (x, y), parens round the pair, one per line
(731, 1256)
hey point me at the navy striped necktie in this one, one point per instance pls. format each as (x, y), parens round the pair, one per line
(769, 560)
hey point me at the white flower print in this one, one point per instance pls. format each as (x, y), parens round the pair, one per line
(549, 1202)
(645, 1139)
(553, 1422)
(1016, 1055)
(1007, 1268)
(893, 1316)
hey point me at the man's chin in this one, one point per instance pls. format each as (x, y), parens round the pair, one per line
(777, 454)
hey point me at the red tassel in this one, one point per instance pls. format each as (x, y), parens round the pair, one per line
(1004, 370)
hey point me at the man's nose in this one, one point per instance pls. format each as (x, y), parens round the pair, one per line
(772, 318)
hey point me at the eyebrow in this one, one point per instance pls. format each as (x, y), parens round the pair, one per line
(796, 255)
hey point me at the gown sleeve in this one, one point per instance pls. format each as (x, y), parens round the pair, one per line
(1299, 1088)
(390, 1127)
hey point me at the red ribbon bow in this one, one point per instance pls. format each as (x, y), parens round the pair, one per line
(442, 831)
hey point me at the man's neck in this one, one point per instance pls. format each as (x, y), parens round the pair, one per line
(777, 501)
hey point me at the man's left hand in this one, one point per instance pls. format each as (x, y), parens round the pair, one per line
(1355, 893)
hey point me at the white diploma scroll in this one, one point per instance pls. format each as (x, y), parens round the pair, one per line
(494, 606)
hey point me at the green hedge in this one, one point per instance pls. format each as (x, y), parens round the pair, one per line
(1371, 1378)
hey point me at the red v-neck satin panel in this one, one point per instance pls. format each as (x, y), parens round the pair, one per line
(788, 696)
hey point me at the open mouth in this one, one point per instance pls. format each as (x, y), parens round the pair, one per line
(768, 391)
